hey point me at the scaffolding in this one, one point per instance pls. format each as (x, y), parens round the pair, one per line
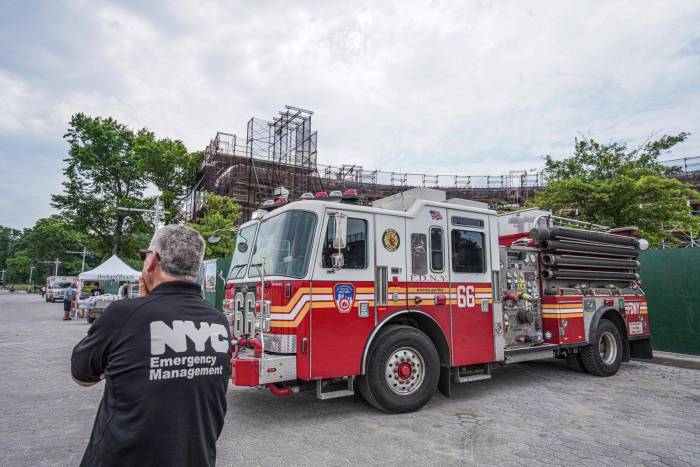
(283, 151)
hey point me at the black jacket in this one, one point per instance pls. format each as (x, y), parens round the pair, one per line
(166, 358)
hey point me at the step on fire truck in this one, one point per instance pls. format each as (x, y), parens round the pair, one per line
(417, 292)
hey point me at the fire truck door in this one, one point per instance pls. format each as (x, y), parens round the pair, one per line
(342, 314)
(428, 276)
(470, 275)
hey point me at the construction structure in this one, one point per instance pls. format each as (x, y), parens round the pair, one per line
(283, 152)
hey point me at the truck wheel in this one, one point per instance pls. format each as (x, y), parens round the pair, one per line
(603, 356)
(403, 369)
(576, 362)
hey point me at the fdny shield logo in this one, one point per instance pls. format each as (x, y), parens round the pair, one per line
(344, 297)
(391, 240)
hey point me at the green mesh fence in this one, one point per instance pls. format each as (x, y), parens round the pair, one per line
(671, 280)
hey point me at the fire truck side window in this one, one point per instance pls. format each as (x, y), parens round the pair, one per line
(355, 253)
(468, 251)
(437, 249)
(419, 254)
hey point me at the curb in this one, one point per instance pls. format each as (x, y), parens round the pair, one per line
(675, 359)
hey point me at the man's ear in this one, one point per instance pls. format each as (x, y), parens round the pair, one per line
(151, 264)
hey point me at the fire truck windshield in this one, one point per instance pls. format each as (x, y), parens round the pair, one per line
(241, 252)
(284, 243)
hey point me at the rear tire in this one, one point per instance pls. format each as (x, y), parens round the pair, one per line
(603, 356)
(576, 362)
(403, 370)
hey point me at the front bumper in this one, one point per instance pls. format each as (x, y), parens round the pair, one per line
(246, 370)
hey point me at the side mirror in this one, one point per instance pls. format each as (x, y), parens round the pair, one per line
(337, 260)
(340, 232)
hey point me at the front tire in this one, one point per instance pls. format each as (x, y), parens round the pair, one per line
(403, 370)
(603, 357)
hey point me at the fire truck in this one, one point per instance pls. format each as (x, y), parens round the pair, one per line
(417, 292)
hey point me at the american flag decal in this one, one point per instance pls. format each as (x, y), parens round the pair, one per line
(435, 215)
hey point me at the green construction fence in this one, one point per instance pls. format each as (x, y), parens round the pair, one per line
(671, 280)
(212, 280)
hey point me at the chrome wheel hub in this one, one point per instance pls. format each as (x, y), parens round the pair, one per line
(607, 348)
(404, 371)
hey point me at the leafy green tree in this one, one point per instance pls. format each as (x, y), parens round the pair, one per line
(10, 243)
(170, 167)
(18, 268)
(219, 213)
(103, 172)
(613, 185)
(49, 239)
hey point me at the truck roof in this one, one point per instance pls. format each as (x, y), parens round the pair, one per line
(405, 204)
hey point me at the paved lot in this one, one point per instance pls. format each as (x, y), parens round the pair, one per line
(527, 414)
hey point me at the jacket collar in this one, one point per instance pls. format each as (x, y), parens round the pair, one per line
(177, 287)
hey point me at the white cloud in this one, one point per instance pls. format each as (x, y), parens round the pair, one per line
(475, 88)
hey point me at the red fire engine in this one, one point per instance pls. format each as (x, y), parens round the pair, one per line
(418, 291)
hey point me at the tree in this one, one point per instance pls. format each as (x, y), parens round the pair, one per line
(9, 244)
(18, 268)
(170, 167)
(103, 172)
(49, 239)
(612, 185)
(219, 213)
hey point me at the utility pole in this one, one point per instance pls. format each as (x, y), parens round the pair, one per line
(84, 252)
(31, 271)
(3, 277)
(157, 212)
(55, 262)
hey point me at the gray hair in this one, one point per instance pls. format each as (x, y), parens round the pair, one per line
(181, 250)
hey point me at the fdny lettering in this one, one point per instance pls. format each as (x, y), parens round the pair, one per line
(632, 308)
(176, 337)
(428, 278)
(465, 296)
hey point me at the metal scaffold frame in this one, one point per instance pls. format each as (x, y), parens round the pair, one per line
(283, 151)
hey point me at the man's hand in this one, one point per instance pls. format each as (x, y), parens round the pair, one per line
(143, 289)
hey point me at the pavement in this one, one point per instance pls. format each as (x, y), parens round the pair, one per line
(527, 414)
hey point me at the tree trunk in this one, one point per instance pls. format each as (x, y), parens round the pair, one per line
(118, 230)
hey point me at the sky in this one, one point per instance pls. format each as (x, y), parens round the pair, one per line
(469, 88)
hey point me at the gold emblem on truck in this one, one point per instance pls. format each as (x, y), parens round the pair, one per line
(391, 240)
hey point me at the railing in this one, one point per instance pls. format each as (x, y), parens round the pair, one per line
(685, 164)
(227, 145)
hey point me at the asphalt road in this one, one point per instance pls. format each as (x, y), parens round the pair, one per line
(527, 414)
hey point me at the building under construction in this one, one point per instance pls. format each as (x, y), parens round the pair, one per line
(283, 152)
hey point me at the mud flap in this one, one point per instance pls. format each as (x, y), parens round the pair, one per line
(445, 383)
(641, 348)
(626, 351)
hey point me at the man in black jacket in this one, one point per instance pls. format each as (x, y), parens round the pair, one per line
(165, 357)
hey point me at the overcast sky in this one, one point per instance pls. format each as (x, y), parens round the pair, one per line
(478, 88)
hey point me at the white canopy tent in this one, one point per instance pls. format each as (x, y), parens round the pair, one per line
(114, 269)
